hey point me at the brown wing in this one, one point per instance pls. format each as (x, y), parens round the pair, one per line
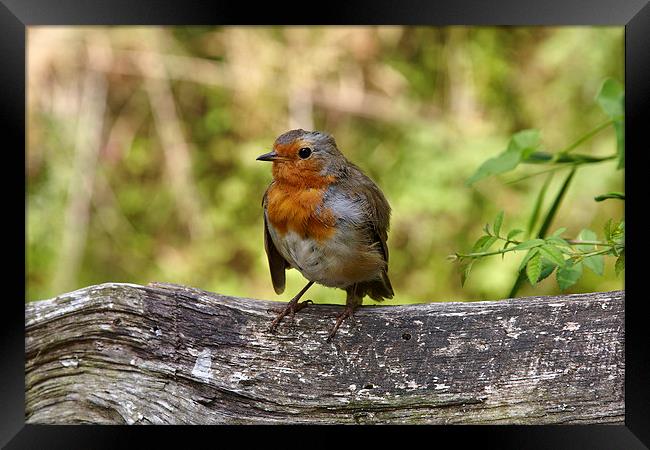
(277, 264)
(378, 213)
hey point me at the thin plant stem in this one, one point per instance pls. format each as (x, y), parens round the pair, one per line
(556, 204)
(550, 215)
(595, 253)
(538, 205)
(511, 249)
(586, 137)
(557, 157)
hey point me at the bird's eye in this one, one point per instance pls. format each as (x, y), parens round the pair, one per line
(304, 152)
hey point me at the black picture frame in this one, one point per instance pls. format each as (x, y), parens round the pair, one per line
(17, 15)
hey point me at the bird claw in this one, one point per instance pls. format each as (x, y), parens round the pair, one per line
(292, 308)
(348, 312)
(300, 306)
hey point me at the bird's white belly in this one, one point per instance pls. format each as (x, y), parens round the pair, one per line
(322, 262)
(313, 259)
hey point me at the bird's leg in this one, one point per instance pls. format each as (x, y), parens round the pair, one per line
(352, 301)
(292, 307)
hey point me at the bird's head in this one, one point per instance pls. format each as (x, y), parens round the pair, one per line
(305, 158)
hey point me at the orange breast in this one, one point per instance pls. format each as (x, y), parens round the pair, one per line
(297, 209)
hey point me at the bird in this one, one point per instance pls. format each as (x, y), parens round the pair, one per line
(327, 219)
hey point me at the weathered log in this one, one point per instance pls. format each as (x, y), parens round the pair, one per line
(168, 354)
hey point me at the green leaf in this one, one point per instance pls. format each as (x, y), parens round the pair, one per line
(478, 245)
(620, 263)
(611, 99)
(607, 229)
(497, 223)
(489, 243)
(513, 233)
(524, 142)
(552, 253)
(483, 244)
(616, 195)
(503, 163)
(569, 275)
(558, 232)
(617, 234)
(529, 255)
(520, 146)
(534, 268)
(529, 244)
(464, 272)
(586, 235)
(547, 269)
(595, 263)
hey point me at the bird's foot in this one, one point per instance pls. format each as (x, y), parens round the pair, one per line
(292, 308)
(348, 312)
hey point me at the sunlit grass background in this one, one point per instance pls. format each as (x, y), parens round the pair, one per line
(142, 144)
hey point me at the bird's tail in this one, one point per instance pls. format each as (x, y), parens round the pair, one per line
(378, 290)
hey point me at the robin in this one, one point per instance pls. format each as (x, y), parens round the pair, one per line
(324, 217)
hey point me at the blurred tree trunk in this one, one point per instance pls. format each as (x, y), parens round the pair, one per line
(88, 142)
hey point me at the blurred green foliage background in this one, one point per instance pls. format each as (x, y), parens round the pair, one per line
(142, 144)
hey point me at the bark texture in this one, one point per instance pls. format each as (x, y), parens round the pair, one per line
(167, 354)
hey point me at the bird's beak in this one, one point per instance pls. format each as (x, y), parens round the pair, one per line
(271, 156)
